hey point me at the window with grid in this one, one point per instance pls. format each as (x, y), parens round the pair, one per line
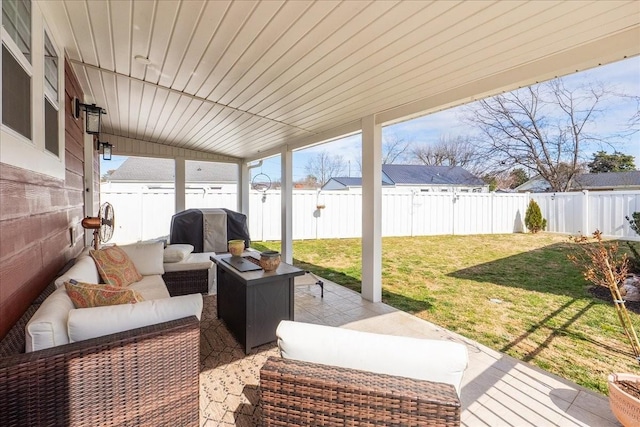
(51, 102)
(16, 66)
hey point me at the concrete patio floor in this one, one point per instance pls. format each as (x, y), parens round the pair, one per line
(497, 390)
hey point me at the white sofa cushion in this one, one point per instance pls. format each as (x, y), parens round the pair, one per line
(147, 257)
(84, 270)
(86, 323)
(177, 252)
(151, 287)
(196, 261)
(48, 326)
(432, 360)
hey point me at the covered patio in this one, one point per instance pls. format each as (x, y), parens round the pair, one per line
(497, 390)
(240, 81)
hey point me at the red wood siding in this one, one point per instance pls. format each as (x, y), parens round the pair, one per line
(36, 213)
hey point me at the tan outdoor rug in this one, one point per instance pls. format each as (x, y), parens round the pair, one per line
(228, 378)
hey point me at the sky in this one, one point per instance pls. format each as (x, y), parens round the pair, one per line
(622, 76)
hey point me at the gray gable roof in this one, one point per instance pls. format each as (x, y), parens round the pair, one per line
(145, 169)
(433, 175)
(348, 181)
(588, 181)
(354, 182)
(417, 175)
(607, 180)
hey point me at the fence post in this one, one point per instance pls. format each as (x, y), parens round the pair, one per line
(585, 213)
(453, 213)
(413, 195)
(492, 199)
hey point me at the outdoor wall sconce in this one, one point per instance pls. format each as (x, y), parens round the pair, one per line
(93, 115)
(106, 150)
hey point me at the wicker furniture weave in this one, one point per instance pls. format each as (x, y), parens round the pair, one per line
(145, 376)
(13, 342)
(187, 282)
(303, 393)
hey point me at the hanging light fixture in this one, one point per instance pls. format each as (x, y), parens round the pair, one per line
(106, 149)
(93, 115)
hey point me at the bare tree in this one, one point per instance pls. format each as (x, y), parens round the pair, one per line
(394, 148)
(324, 166)
(451, 151)
(542, 128)
(634, 121)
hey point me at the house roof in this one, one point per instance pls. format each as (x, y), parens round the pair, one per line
(245, 79)
(586, 181)
(354, 182)
(418, 175)
(145, 169)
(432, 175)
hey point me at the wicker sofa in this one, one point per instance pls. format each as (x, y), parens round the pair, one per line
(147, 375)
(335, 377)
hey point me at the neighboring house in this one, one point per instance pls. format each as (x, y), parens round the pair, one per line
(537, 184)
(419, 178)
(606, 181)
(152, 173)
(348, 183)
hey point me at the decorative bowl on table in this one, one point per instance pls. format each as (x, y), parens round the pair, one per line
(269, 260)
(236, 247)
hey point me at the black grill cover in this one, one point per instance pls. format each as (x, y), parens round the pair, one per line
(187, 227)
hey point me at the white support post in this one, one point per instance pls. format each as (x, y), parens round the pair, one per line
(243, 188)
(371, 209)
(180, 184)
(286, 201)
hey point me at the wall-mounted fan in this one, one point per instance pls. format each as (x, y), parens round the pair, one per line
(102, 225)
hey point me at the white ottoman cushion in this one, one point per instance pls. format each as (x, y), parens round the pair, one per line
(432, 360)
(195, 261)
(87, 323)
(177, 252)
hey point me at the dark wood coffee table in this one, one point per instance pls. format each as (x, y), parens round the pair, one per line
(253, 303)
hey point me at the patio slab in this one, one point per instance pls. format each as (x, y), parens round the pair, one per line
(497, 390)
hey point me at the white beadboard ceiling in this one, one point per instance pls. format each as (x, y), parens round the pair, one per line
(243, 78)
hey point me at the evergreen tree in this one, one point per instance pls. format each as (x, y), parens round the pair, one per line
(616, 162)
(519, 177)
(533, 218)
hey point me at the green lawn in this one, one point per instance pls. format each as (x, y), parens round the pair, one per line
(515, 293)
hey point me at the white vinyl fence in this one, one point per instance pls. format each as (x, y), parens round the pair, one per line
(147, 214)
(587, 211)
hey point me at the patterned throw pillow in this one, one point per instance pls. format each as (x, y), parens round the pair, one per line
(84, 295)
(115, 266)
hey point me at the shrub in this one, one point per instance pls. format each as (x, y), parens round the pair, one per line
(603, 265)
(634, 260)
(634, 222)
(533, 218)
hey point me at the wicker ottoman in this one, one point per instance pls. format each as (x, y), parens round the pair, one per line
(192, 275)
